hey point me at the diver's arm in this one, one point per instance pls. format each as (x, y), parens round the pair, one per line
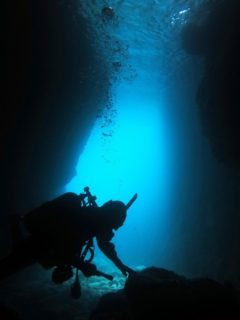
(108, 249)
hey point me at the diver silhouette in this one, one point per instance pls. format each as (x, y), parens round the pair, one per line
(60, 236)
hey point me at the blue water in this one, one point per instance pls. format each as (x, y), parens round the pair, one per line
(132, 145)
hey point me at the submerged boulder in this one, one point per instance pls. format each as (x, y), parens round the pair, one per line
(160, 293)
(112, 306)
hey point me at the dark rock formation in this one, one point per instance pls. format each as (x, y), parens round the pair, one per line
(55, 81)
(157, 293)
(112, 306)
(7, 313)
(217, 40)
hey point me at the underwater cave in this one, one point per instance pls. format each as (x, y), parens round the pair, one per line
(126, 97)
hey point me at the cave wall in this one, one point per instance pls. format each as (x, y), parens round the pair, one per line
(216, 40)
(52, 75)
(216, 218)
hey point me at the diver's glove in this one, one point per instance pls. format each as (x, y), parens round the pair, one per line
(126, 271)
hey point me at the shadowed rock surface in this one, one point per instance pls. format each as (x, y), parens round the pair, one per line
(50, 68)
(159, 293)
(32, 294)
(55, 83)
(7, 313)
(216, 39)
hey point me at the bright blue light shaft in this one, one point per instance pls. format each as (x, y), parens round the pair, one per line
(132, 159)
(126, 162)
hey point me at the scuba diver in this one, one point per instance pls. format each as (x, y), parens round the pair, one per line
(60, 236)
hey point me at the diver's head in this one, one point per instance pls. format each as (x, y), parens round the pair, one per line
(115, 213)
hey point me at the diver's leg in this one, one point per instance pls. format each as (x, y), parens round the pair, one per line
(19, 258)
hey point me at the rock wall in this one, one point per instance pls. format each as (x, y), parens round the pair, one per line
(51, 97)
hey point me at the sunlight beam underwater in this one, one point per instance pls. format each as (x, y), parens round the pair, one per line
(131, 159)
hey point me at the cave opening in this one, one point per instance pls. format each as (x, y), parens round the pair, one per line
(131, 146)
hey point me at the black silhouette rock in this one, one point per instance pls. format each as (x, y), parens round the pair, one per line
(156, 293)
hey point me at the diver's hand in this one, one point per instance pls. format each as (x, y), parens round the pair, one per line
(126, 271)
